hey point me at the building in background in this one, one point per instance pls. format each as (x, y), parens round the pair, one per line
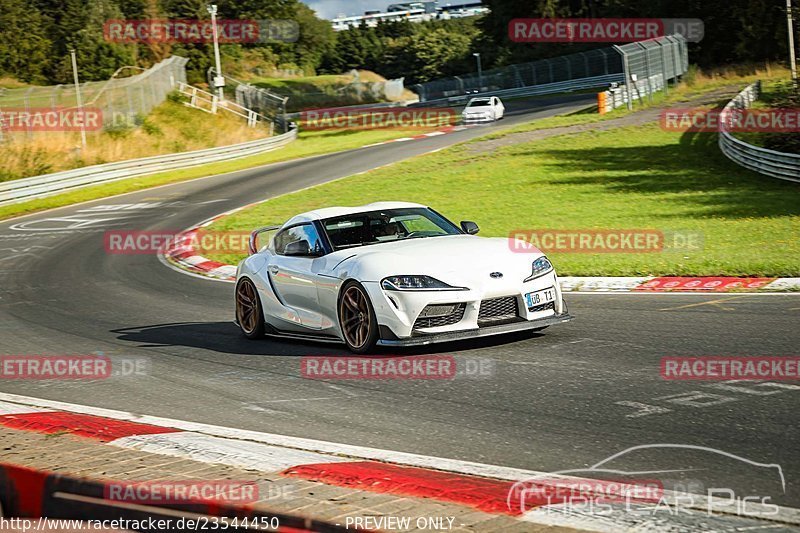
(412, 11)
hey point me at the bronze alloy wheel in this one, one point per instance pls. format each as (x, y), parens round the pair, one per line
(357, 318)
(248, 309)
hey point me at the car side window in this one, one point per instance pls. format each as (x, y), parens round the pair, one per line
(297, 233)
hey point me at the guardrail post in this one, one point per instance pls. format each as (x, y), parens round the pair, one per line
(648, 72)
(664, 67)
(626, 75)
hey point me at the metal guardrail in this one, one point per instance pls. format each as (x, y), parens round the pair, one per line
(767, 162)
(619, 96)
(533, 90)
(210, 103)
(15, 191)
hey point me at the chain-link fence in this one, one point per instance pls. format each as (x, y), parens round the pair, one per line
(119, 99)
(649, 65)
(269, 106)
(589, 64)
(665, 56)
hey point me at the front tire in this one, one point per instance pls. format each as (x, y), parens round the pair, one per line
(357, 318)
(249, 314)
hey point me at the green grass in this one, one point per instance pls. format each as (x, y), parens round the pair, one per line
(628, 178)
(307, 144)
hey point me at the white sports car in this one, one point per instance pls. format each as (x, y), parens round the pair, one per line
(391, 273)
(483, 109)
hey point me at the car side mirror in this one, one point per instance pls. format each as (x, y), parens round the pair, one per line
(299, 248)
(469, 227)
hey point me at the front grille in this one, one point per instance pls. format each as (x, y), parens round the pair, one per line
(542, 307)
(498, 309)
(436, 321)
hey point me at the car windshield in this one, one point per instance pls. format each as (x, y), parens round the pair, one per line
(375, 227)
(476, 103)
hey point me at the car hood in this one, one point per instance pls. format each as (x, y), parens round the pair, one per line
(456, 259)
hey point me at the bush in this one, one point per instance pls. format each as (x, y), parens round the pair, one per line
(118, 130)
(150, 128)
(175, 96)
(690, 77)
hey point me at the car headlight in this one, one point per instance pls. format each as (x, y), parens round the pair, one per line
(541, 266)
(416, 283)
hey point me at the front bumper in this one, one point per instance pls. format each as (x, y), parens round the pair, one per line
(477, 119)
(398, 311)
(478, 332)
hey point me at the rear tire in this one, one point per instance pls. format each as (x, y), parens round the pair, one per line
(357, 318)
(249, 314)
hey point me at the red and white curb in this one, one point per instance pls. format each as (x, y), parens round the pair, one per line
(182, 254)
(475, 485)
(681, 284)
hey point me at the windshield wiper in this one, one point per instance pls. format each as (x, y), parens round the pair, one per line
(343, 246)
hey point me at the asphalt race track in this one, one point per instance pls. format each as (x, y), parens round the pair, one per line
(564, 399)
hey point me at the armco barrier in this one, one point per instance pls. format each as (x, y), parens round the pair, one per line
(30, 493)
(49, 184)
(767, 162)
(533, 90)
(618, 96)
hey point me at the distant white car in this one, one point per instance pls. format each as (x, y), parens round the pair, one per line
(391, 273)
(483, 109)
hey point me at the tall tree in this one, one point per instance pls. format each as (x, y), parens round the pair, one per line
(23, 54)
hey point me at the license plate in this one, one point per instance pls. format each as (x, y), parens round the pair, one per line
(540, 297)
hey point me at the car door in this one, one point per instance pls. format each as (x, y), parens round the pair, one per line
(294, 277)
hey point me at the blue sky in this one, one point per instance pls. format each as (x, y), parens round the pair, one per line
(329, 9)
